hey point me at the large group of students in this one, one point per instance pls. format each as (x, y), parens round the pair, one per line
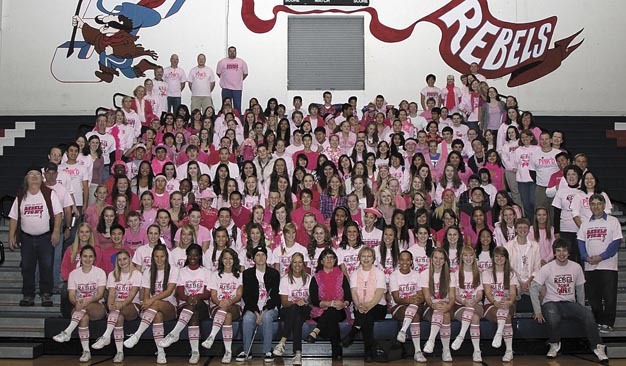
(451, 207)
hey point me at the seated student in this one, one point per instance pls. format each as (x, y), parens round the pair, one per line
(226, 292)
(261, 299)
(86, 286)
(500, 285)
(295, 310)
(439, 288)
(123, 286)
(524, 255)
(330, 295)
(191, 291)
(158, 302)
(407, 296)
(564, 298)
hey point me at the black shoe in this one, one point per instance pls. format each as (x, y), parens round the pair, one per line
(46, 300)
(311, 338)
(349, 339)
(369, 358)
(337, 353)
(27, 301)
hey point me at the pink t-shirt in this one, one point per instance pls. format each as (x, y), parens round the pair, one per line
(560, 281)
(497, 287)
(124, 286)
(406, 284)
(298, 290)
(86, 284)
(231, 72)
(424, 279)
(202, 235)
(135, 240)
(349, 257)
(225, 285)
(194, 281)
(421, 262)
(283, 259)
(468, 292)
(158, 283)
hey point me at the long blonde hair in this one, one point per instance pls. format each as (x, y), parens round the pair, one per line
(76, 243)
(117, 272)
(304, 275)
(187, 228)
(475, 272)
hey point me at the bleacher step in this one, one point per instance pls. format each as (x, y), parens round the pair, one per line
(616, 350)
(10, 327)
(21, 350)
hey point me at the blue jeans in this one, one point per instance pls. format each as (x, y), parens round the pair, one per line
(554, 311)
(249, 323)
(527, 193)
(235, 95)
(36, 250)
(172, 104)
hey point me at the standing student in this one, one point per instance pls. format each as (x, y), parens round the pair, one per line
(295, 310)
(226, 291)
(261, 301)
(86, 286)
(158, 302)
(191, 291)
(232, 71)
(500, 285)
(468, 307)
(439, 288)
(407, 297)
(563, 281)
(123, 303)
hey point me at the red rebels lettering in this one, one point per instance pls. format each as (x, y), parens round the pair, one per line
(546, 161)
(597, 233)
(234, 67)
(33, 210)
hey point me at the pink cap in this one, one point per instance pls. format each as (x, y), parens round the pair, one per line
(207, 193)
(373, 211)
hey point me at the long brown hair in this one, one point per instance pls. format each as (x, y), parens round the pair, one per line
(548, 224)
(507, 266)
(444, 275)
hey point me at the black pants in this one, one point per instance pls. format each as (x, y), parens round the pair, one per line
(35, 250)
(366, 323)
(293, 318)
(328, 324)
(601, 291)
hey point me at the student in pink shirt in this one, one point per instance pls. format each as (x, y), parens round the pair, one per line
(232, 71)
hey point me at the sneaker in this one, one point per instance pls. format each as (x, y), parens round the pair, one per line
(401, 337)
(61, 337)
(429, 346)
(242, 356)
(605, 329)
(297, 359)
(497, 340)
(195, 357)
(477, 357)
(268, 357)
(27, 301)
(458, 341)
(446, 356)
(46, 300)
(86, 356)
(119, 357)
(168, 340)
(208, 343)
(508, 356)
(554, 350)
(600, 352)
(161, 360)
(101, 343)
(419, 357)
(131, 341)
(279, 350)
(227, 357)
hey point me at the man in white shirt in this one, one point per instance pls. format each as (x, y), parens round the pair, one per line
(564, 298)
(175, 79)
(160, 89)
(224, 155)
(79, 178)
(107, 142)
(201, 82)
(543, 163)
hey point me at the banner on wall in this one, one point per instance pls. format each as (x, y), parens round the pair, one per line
(470, 34)
(328, 2)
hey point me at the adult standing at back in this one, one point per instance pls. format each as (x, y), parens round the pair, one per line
(232, 71)
(175, 79)
(35, 227)
(201, 82)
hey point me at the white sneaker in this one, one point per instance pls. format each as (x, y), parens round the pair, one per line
(168, 340)
(131, 341)
(446, 356)
(497, 340)
(228, 356)
(119, 357)
(195, 357)
(477, 357)
(161, 360)
(61, 337)
(268, 357)
(508, 356)
(208, 343)
(554, 350)
(458, 341)
(600, 352)
(429, 346)
(419, 357)
(279, 349)
(85, 357)
(101, 343)
(401, 337)
(297, 359)
(241, 357)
